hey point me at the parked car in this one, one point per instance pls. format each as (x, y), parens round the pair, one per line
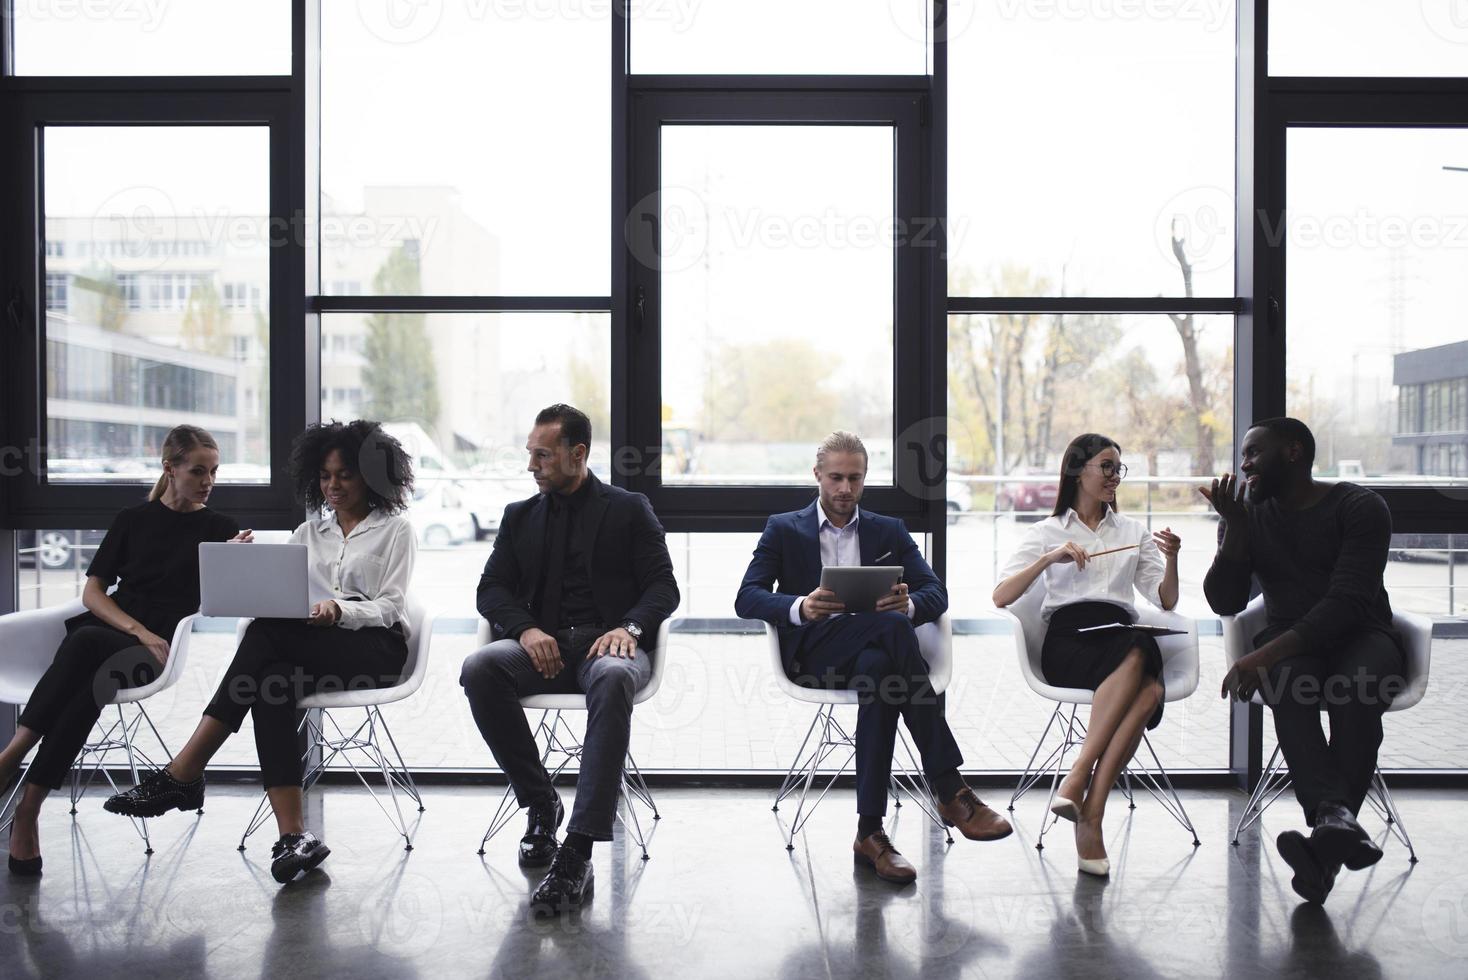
(438, 515)
(1034, 492)
(54, 549)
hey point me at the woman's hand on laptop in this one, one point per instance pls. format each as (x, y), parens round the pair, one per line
(244, 537)
(326, 613)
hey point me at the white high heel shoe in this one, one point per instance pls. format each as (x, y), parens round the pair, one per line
(1065, 809)
(1100, 867)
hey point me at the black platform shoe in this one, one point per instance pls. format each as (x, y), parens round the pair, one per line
(25, 867)
(566, 886)
(538, 846)
(296, 853)
(156, 795)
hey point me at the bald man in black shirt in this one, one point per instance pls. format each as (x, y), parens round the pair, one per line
(1318, 551)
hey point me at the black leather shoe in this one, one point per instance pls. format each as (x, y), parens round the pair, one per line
(565, 887)
(538, 845)
(1312, 881)
(25, 867)
(1339, 839)
(156, 795)
(295, 853)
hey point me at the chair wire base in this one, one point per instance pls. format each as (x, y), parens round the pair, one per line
(1276, 779)
(831, 737)
(1149, 775)
(330, 739)
(554, 733)
(120, 735)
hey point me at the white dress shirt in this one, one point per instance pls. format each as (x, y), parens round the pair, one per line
(840, 547)
(367, 570)
(1110, 578)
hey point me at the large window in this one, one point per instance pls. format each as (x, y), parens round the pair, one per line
(777, 286)
(475, 135)
(171, 37)
(1376, 245)
(1090, 149)
(150, 232)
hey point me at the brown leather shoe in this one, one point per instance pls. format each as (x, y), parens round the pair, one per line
(972, 818)
(877, 852)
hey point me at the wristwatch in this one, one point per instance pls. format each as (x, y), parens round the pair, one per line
(632, 628)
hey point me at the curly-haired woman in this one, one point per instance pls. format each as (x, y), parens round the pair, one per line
(356, 640)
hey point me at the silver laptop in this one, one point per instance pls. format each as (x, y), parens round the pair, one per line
(257, 580)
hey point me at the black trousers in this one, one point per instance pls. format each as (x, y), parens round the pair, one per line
(92, 664)
(877, 655)
(280, 661)
(1354, 685)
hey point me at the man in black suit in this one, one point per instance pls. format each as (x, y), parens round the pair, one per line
(576, 587)
(874, 653)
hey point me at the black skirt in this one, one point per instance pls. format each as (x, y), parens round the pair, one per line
(1071, 659)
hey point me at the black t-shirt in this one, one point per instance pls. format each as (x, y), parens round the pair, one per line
(154, 550)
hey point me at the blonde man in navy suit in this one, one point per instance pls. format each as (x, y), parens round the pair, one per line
(874, 653)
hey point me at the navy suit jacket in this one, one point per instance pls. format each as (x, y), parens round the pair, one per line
(787, 566)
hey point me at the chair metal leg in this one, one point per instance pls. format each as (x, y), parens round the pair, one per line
(1031, 775)
(364, 740)
(1381, 799)
(1272, 782)
(554, 733)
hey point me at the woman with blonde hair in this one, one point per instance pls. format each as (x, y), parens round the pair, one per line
(122, 640)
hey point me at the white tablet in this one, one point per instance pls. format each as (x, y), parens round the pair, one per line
(256, 580)
(858, 587)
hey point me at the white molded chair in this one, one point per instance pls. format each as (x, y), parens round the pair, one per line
(330, 739)
(552, 731)
(935, 640)
(1238, 640)
(1179, 681)
(29, 641)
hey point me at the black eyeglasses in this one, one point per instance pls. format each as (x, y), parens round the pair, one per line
(1109, 469)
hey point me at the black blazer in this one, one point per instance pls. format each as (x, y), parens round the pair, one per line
(631, 573)
(789, 553)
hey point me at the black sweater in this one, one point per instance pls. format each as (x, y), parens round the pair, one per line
(1320, 568)
(155, 552)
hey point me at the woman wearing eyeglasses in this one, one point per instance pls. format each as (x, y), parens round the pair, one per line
(1093, 561)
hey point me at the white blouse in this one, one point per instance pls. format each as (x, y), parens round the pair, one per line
(1109, 578)
(367, 571)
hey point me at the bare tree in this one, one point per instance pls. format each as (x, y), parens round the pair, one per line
(1187, 331)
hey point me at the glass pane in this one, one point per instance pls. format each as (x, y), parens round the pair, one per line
(1376, 237)
(1368, 37)
(780, 37)
(153, 37)
(777, 298)
(496, 191)
(460, 391)
(157, 297)
(1010, 419)
(1120, 140)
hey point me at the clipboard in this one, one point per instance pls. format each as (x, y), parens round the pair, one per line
(1139, 627)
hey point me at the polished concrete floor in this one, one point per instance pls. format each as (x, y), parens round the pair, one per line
(722, 897)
